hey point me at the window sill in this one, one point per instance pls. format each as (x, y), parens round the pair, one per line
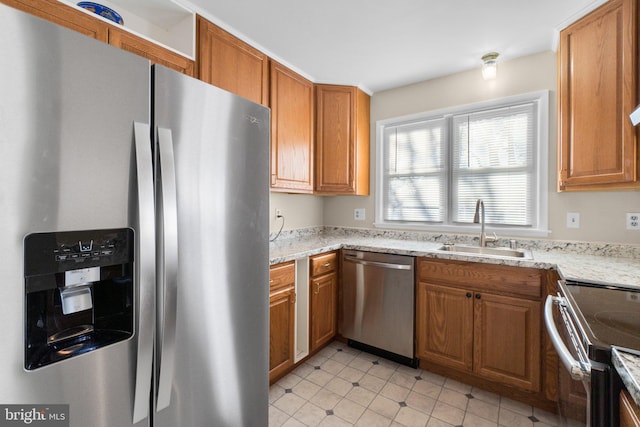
(457, 229)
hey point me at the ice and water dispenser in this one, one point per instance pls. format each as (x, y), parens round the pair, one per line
(79, 293)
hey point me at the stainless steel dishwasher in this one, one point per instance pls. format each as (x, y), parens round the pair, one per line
(377, 304)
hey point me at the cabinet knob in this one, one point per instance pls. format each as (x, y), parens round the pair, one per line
(478, 296)
(328, 264)
(468, 294)
(317, 291)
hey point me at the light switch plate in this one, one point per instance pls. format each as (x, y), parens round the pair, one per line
(358, 214)
(573, 220)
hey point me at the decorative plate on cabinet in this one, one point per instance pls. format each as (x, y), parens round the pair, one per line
(103, 11)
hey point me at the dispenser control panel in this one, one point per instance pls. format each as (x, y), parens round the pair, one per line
(70, 250)
(82, 250)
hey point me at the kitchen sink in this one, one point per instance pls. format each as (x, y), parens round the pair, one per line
(503, 252)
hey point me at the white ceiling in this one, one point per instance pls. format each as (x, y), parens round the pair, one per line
(382, 44)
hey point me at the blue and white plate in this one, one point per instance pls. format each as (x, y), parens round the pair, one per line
(103, 11)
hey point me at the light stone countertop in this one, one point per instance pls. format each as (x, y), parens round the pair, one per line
(599, 263)
(593, 263)
(628, 366)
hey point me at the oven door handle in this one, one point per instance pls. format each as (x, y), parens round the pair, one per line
(574, 367)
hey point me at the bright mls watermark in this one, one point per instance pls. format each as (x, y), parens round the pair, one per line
(34, 415)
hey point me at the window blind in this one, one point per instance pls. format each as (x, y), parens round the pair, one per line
(493, 160)
(415, 171)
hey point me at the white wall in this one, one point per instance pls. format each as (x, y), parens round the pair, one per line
(299, 210)
(602, 214)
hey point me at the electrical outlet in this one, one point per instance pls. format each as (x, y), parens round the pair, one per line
(633, 221)
(358, 214)
(279, 213)
(573, 220)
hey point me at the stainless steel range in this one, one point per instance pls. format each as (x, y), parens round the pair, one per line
(590, 319)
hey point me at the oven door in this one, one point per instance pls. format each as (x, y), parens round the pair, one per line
(574, 376)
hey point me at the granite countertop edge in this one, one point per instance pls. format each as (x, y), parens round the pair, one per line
(628, 366)
(613, 267)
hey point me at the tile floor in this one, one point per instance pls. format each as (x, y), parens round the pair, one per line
(341, 386)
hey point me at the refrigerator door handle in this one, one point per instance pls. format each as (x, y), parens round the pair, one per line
(146, 272)
(167, 266)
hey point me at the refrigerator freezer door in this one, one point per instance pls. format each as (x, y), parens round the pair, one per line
(221, 146)
(67, 162)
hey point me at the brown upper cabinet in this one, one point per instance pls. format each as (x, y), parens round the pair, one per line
(598, 81)
(292, 131)
(342, 140)
(153, 52)
(231, 64)
(63, 15)
(66, 16)
(337, 164)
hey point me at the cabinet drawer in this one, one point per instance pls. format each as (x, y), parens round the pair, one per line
(282, 276)
(502, 279)
(325, 263)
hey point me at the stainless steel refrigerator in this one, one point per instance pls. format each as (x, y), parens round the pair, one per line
(134, 260)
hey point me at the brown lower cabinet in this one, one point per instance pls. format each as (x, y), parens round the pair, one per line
(323, 310)
(282, 298)
(629, 411)
(323, 291)
(482, 324)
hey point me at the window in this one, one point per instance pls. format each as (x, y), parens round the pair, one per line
(432, 167)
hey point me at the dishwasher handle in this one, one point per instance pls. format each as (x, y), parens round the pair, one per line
(378, 264)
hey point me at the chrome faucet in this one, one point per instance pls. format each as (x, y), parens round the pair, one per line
(479, 218)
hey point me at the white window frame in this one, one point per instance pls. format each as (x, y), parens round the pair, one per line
(541, 158)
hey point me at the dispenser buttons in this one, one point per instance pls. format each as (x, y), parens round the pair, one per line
(85, 247)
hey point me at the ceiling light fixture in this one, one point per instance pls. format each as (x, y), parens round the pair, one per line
(489, 66)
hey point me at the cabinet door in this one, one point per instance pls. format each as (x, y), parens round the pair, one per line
(156, 54)
(342, 143)
(324, 309)
(444, 325)
(231, 64)
(64, 15)
(629, 411)
(597, 90)
(281, 333)
(292, 125)
(507, 340)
